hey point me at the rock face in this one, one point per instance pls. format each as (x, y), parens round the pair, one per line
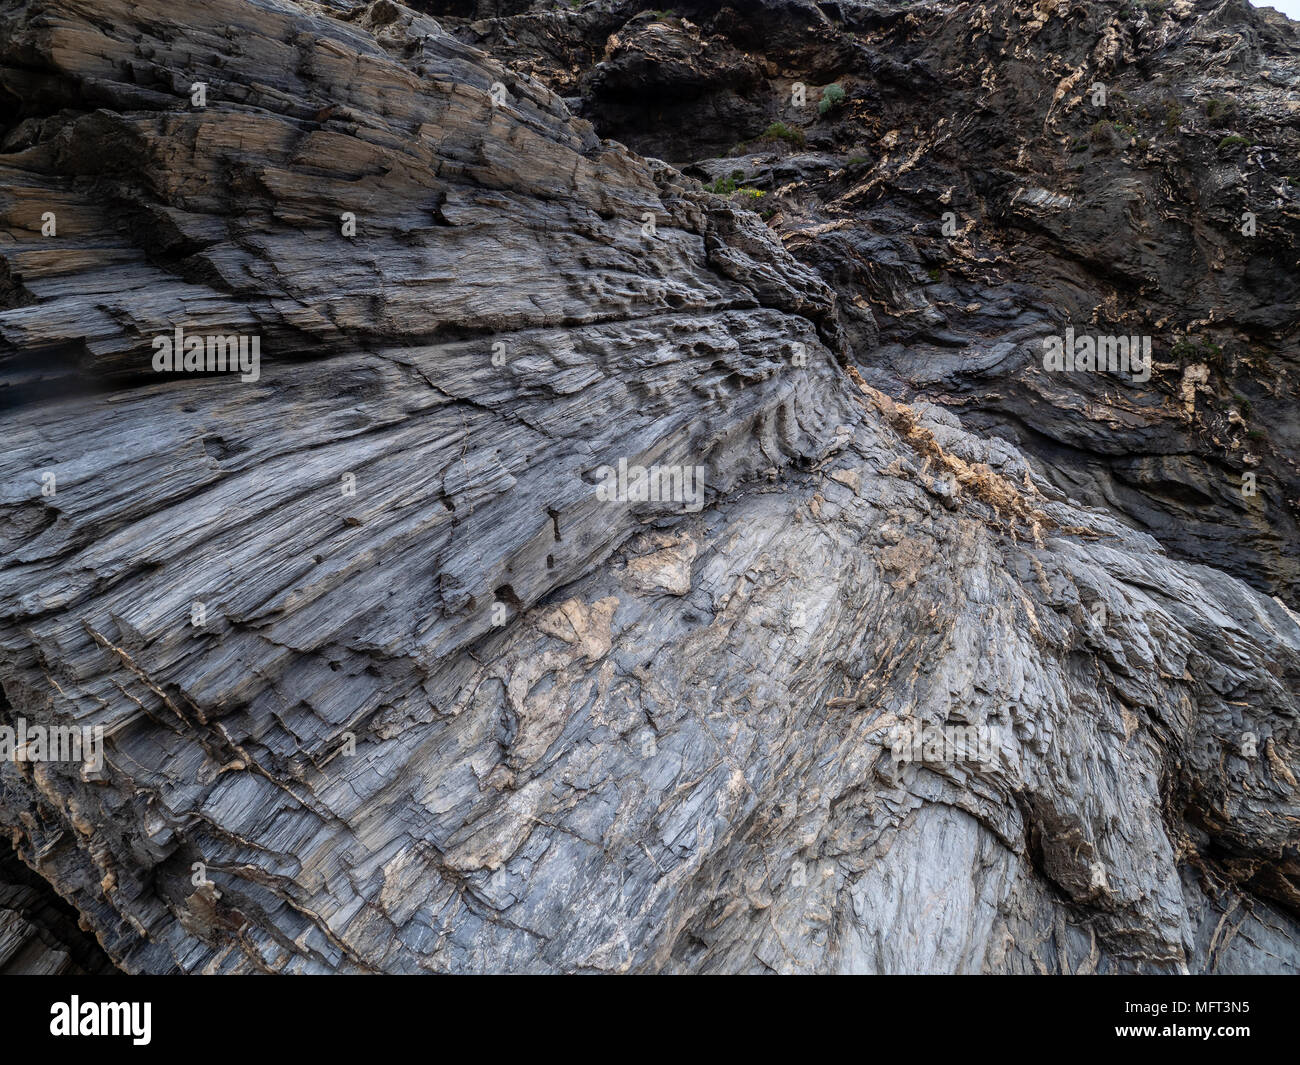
(589, 574)
(994, 173)
(39, 932)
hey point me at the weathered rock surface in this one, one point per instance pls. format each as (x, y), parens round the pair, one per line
(40, 934)
(1119, 214)
(445, 707)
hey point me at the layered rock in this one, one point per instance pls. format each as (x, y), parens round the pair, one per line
(396, 670)
(995, 173)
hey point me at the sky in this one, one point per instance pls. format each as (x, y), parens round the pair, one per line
(1290, 8)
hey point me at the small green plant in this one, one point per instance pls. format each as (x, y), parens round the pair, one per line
(727, 185)
(1243, 404)
(1173, 115)
(934, 273)
(1233, 140)
(731, 186)
(856, 160)
(832, 97)
(1215, 107)
(780, 131)
(1200, 349)
(1102, 134)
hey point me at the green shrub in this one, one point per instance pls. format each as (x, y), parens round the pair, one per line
(1173, 115)
(730, 186)
(780, 131)
(832, 97)
(1234, 140)
(1216, 107)
(727, 185)
(1200, 349)
(1101, 133)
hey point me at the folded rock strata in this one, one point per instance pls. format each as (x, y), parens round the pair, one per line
(388, 685)
(992, 173)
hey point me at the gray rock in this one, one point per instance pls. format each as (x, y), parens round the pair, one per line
(389, 683)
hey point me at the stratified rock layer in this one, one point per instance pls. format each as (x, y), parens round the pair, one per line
(991, 173)
(389, 685)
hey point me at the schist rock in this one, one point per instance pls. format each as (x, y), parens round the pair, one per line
(974, 178)
(597, 575)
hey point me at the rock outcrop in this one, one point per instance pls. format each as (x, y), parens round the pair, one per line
(402, 665)
(992, 173)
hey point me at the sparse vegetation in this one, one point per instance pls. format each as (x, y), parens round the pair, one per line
(1198, 349)
(727, 185)
(832, 97)
(731, 186)
(1233, 140)
(780, 131)
(1102, 134)
(1173, 115)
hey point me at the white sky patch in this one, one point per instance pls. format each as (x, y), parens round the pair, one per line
(1290, 8)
